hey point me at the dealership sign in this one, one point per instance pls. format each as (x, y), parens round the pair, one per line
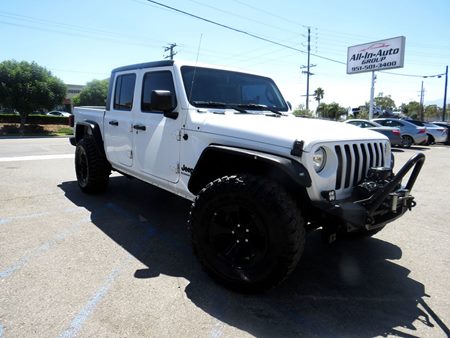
(378, 55)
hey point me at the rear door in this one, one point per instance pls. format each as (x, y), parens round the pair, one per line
(119, 120)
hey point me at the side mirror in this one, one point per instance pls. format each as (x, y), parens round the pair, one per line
(289, 105)
(161, 100)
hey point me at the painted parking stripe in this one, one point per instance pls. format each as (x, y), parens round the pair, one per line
(138, 247)
(79, 320)
(42, 249)
(36, 158)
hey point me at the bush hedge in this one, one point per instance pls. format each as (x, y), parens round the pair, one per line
(34, 119)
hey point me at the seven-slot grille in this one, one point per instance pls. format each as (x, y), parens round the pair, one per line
(354, 160)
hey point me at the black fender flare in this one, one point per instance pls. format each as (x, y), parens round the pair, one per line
(91, 129)
(218, 160)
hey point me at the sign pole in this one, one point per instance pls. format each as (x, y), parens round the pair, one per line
(444, 108)
(372, 94)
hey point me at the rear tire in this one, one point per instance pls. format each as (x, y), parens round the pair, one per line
(407, 141)
(91, 167)
(247, 232)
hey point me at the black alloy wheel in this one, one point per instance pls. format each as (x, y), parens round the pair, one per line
(247, 232)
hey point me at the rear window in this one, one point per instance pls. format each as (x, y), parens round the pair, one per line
(124, 91)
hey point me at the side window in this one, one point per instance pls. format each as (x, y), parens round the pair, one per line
(161, 80)
(124, 91)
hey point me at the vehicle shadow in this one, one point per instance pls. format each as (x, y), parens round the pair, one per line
(351, 288)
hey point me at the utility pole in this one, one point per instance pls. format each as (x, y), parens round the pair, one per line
(422, 91)
(445, 95)
(372, 95)
(170, 48)
(308, 67)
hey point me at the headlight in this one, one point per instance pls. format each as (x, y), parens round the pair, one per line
(388, 154)
(319, 159)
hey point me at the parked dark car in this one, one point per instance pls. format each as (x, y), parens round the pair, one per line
(411, 134)
(392, 133)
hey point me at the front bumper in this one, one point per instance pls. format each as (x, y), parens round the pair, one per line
(385, 203)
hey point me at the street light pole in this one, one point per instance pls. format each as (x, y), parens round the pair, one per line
(445, 94)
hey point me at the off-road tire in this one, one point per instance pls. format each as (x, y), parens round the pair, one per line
(91, 167)
(247, 232)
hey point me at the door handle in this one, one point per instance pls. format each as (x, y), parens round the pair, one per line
(114, 123)
(139, 127)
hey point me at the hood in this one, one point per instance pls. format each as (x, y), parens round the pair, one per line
(282, 131)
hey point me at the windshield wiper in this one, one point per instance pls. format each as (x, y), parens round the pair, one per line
(259, 107)
(216, 104)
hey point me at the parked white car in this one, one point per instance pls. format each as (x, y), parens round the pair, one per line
(58, 113)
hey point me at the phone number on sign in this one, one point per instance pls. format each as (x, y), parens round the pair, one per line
(374, 66)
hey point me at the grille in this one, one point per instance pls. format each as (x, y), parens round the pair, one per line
(354, 160)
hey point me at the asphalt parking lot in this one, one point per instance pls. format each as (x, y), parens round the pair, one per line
(120, 264)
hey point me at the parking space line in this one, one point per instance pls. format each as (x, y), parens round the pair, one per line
(38, 214)
(36, 157)
(79, 320)
(42, 249)
(77, 323)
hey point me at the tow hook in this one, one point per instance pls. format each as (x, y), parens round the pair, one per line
(402, 196)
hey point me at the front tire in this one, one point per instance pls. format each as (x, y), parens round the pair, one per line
(91, 167)
(247, 232)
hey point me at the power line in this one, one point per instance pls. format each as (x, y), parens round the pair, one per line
(241, 31)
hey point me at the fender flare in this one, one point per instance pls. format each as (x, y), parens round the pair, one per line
(91, 128)
(287, 167)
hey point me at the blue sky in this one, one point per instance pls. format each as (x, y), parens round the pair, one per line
(83, 40)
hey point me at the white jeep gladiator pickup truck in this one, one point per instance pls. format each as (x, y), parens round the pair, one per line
(257, 175)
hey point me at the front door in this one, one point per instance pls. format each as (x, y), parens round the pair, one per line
(156, 137)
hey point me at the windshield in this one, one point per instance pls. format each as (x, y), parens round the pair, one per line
(212, 87)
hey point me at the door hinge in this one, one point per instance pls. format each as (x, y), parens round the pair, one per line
(178, 168)
(131, 154)
(179, 135)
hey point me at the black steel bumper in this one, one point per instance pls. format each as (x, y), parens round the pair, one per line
(387, 203)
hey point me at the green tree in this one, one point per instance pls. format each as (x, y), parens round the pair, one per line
(27, 87)
(412, 109)
(433, 112)
(332, 111)
(318, 95)
(385, 103)
(94, 94)
(301, 111)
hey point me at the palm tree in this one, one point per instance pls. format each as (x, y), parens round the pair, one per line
(318, 95)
